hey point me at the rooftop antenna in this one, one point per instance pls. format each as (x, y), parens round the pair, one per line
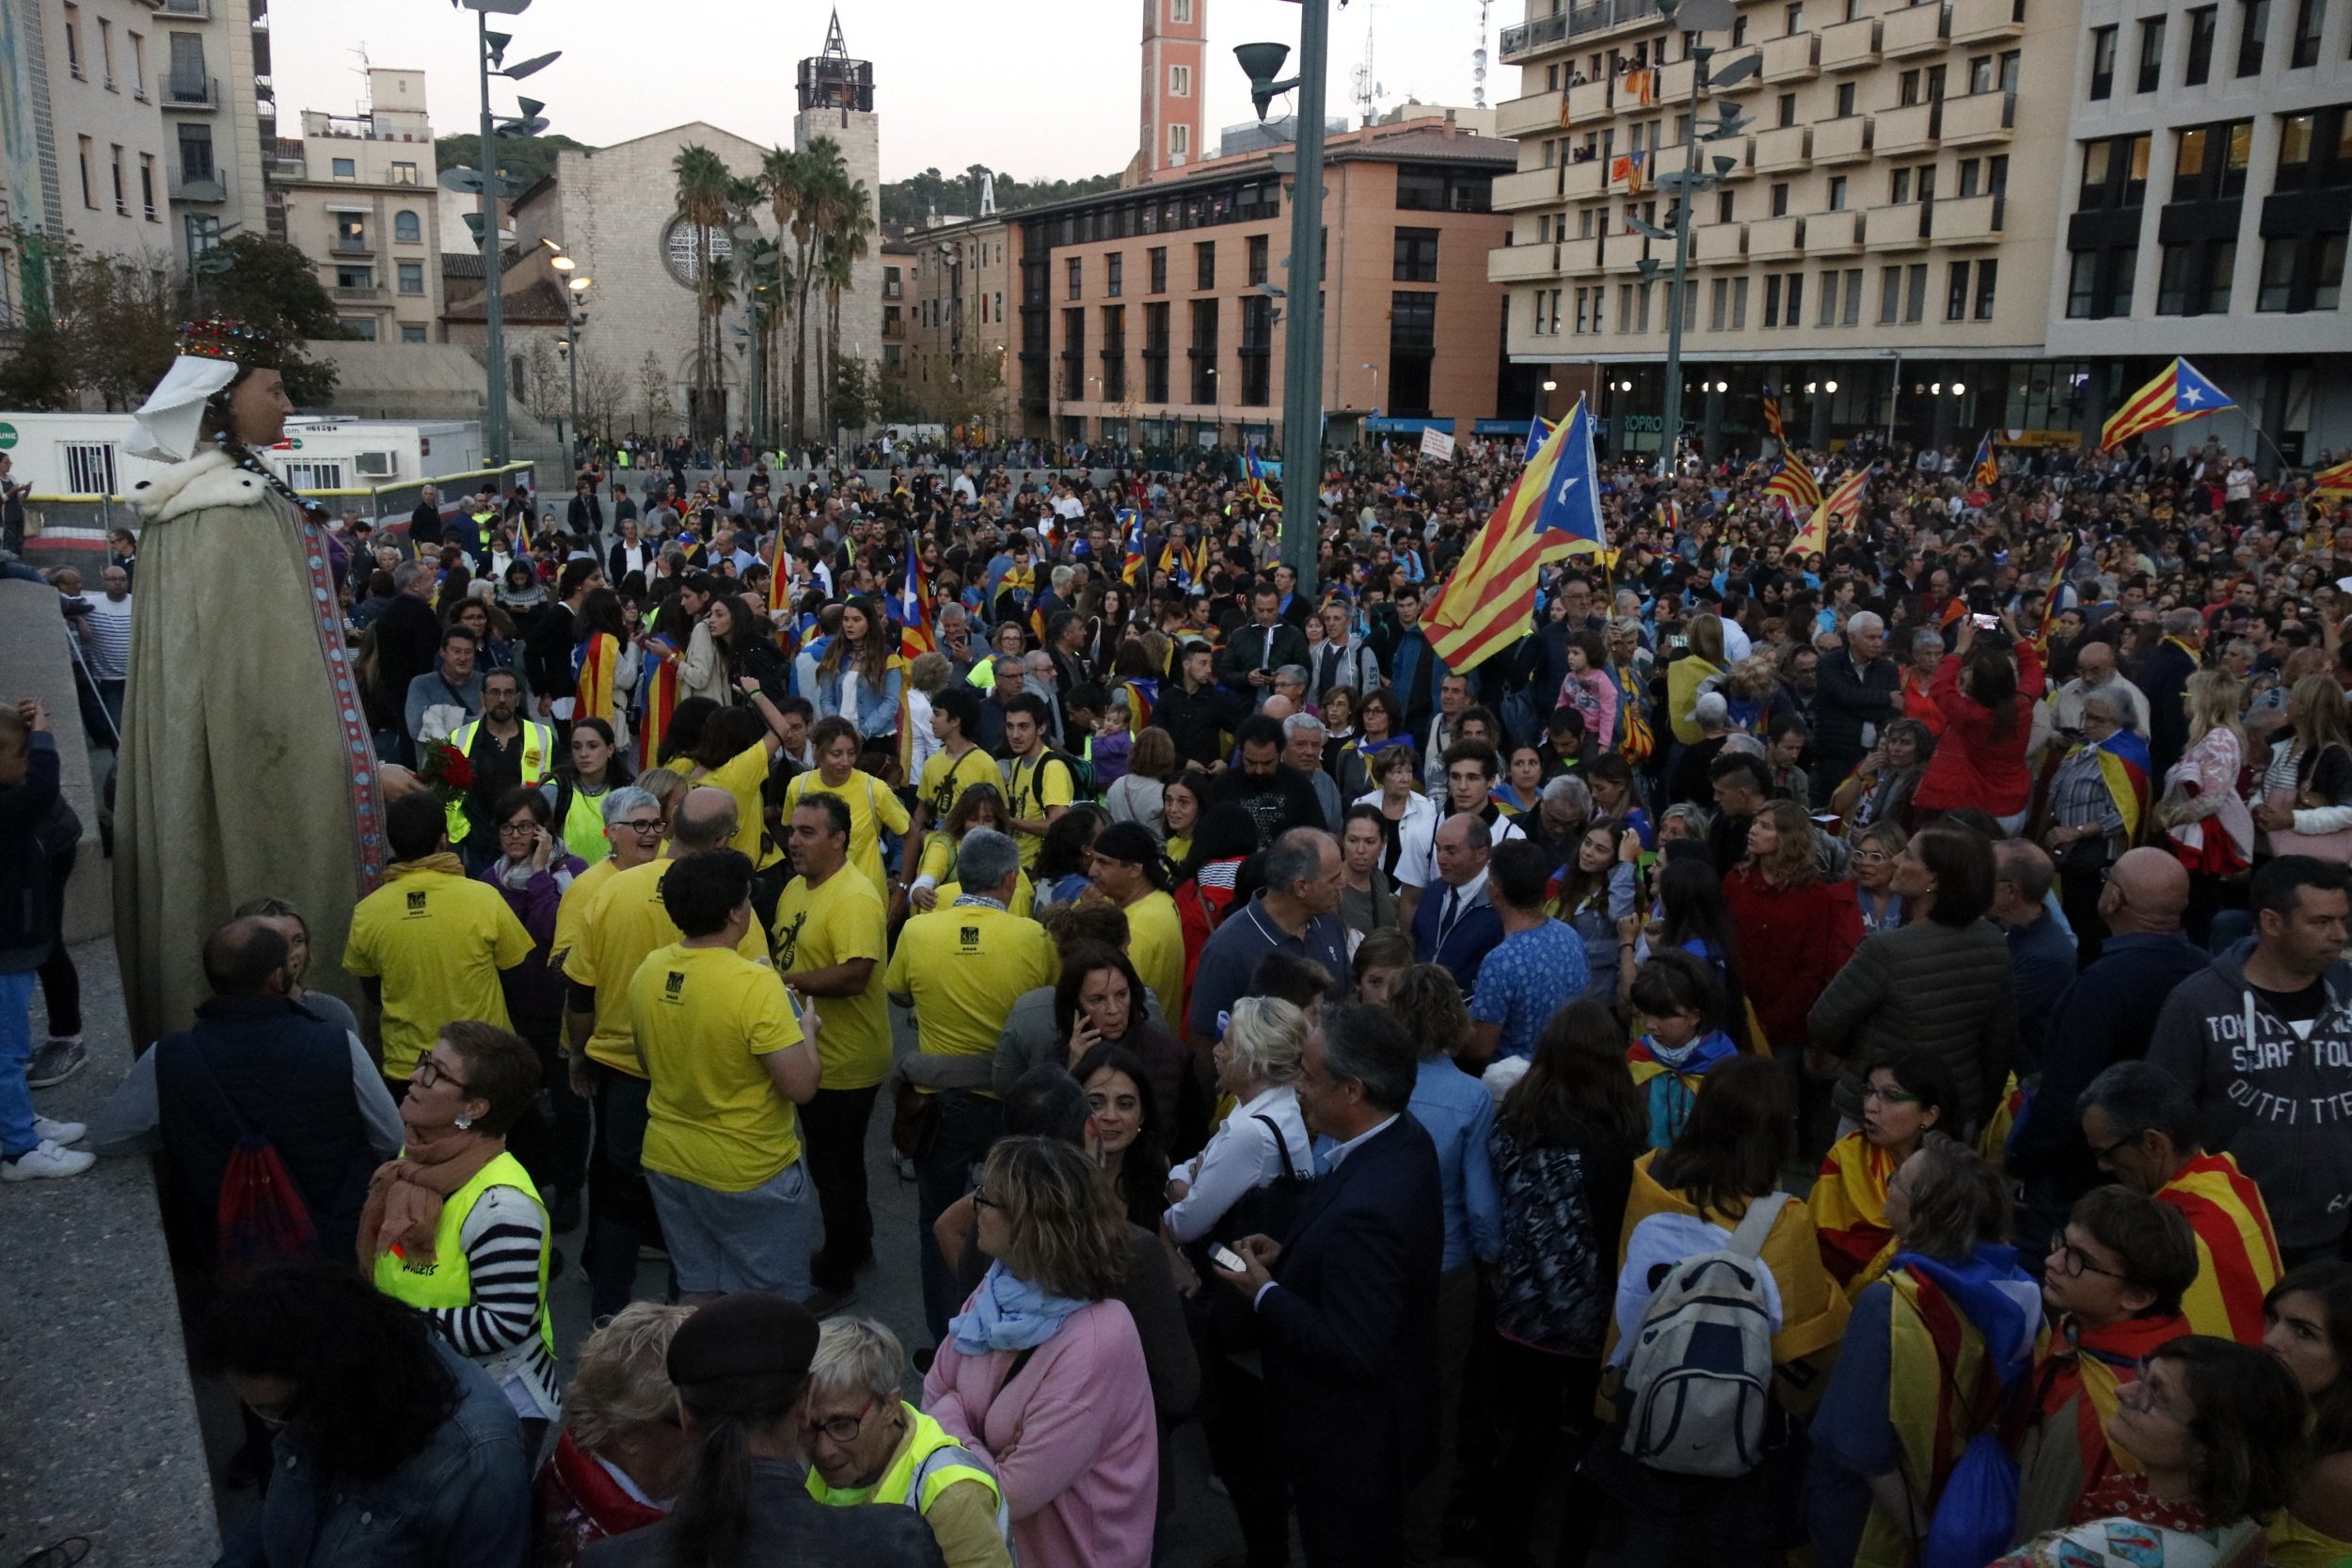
(1478, 60)
(367, 95)
(1367, 88)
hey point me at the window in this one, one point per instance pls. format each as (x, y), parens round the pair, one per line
(1915, 292)
(2102, 62)
(1075, 269)
(89, 467)
(1771, 300)
(1156, 261)
(412, 332)
(190, 83)
(1179, 141)
(2253, 23)
(1155, 353)
(407, 229)
(1780, 200)
(350, 277)
(106, 52)
(1891, 296)
(1739, 304)
(1988, 271)
(403, 174)
(1971, 172)
(1980, 73)
(1424, 188)
(1792, 15)
(139, 66)
(2194, 278)
(1719, 302)
(147, 185)
(2151, 53)
(2309, 17)
(2203, 23)
(1179, 81)
(1787, 110)
(411, 278)
(1416, 256)
(2302, 271)
(1179, 12)
(1723, 204)
(1853, 298)
(73, 40)
(2115, 173)
(1796, 298)
(90, 193)
(204, 231)
(1829, 299)
(196, 152)
(1907, 89)
(1204, 264)
(1114, 275)
(351, 231)
(115, 182)
(1114, 354)
(1204, 351)
(1254, 260)
(363, 329)
(1845, 100)
(1073, 348)
(345, 168)
(1899, 187)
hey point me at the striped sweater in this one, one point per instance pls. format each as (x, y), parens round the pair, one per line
(505, 1235)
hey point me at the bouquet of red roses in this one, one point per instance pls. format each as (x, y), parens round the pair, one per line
(446, 771)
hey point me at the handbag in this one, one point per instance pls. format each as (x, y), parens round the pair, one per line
(914, 1120)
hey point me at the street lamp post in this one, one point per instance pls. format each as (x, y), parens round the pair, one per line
(490, 52)
(1549, 388)
(1302, 344)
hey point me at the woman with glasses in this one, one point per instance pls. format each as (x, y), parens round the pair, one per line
(867, 1445)
(1876, 848)
(1043, 1374)
(621, 1455)
(1955, 1312)
(1881, 786)
(2309, 1326)
(2097, 797)
(456, 1227)
(1905, 1099)
(2112, 1283)
(2216, 1428)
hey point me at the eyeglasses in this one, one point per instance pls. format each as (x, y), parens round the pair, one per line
(1889, 1097)
(642, 824)
(2073, 1260)
(842, 1429)
(1871, 857)
(2100, 1156)
(516, 830)
(432, 1074)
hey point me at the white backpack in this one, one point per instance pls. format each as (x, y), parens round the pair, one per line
(1698, 1379)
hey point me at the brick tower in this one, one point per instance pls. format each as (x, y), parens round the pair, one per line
(1175, 36)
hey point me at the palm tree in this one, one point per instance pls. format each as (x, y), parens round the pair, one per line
(850, 222)
(801, 187)
(702, 201)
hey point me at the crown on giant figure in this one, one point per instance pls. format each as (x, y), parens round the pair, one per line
(216, 338)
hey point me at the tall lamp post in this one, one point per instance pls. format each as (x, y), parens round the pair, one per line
(1692, 16)
(1302, 343)
(490, 57)
(574, 321)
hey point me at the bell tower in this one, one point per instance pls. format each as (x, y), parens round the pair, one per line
(1175, 37)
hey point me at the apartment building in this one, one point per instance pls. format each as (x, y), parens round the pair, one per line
(1877, 243)
(357, 195)
(955, 324)
(1149, 314)
(2206, 196)
(220, 116)
(81, 139)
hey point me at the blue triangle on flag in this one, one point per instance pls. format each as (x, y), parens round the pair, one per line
(2193, 394)
(1571, 499)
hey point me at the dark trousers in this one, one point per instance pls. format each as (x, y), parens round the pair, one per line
(60, 982)
(833, 1128)
(620, 1205)
(551, 1139)
(2079, 885)
(1533, 1390)
(1351, 1514)
(968, 1123)
(1236, 1425)
(1458, 1320)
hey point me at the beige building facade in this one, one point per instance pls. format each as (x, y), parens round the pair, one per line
(957, 362)
(357, 195)
(220, 116)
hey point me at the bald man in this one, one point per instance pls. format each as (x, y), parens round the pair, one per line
(2041, 950)
(2104, 1017)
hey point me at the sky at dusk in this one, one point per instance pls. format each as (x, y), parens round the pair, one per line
(1036, 88)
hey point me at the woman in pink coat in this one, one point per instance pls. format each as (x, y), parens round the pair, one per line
(1042, 1371)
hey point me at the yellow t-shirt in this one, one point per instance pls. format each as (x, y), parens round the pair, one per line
(1156, 945)
(1024, 893)
(626, 922)
(1032, 788)
(819, 928)
(573, 909)
(437, 941)
(872, 807)
(962, 968)
(946, 779)
(741, 776)
(704, 1017)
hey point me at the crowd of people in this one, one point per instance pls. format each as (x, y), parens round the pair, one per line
(1845, 1052)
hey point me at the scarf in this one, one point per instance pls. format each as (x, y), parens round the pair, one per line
(406, 1194)
(1005, 1313)
(443, 861)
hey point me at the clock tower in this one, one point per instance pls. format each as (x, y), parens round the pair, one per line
(1175, 36)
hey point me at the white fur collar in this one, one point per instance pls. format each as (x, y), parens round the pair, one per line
(209, 479)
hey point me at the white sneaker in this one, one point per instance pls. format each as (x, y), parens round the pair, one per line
(58, 1133)
(46, 1161)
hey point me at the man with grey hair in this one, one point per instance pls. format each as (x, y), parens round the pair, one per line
(1303, 736)
(961, 967)
(1861, 690)
(1289, 682)
(2164, 673)
(2041, 951)
(1295, 911)
(1453, 926)
(874, 1446)
(2096, 675)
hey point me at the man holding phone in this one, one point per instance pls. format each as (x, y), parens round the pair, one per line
(1264, 646)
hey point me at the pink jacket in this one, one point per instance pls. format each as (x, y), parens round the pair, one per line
(1593, 693)
(1073, 1438)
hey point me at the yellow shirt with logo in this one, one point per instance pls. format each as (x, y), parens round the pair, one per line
(626, 922)
(741, 776)
(571, 911)
(704, 1017)
(1156, 945)
(964, 966)
(436, 943)
(946, 779)
(835, 923)
(872, 807)
(1033, 788)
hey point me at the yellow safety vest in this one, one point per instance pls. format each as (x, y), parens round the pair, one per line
(582, 827)
(538, 761)
(928, 1464)
(447, 1282)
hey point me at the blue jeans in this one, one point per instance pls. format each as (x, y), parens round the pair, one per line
(968, 1123)
(16, 1052)
(758, 1239)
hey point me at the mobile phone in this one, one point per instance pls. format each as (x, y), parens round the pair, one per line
(1226, 1258)
(1985, 622)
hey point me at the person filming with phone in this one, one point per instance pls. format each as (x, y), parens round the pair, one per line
(1985, 689)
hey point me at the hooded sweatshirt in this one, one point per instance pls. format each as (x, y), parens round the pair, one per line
(2276, 1098)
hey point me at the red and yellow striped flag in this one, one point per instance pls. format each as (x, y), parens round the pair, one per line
(1793, 482)
(1489, 601)
(2179, 392)
(2336, 481)
(598, 657)
(1845, 501)
(1848, 1205)
(2237, 1252)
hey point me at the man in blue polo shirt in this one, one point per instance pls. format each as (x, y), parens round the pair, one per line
(1297, 911)
(1534, 971)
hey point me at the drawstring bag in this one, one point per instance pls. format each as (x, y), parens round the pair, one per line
(1976, 1515)
(260, 1218)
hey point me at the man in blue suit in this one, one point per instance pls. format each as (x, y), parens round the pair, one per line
(1348, 1304)
(1453, 925)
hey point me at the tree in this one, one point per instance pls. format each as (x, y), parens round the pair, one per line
(544, 389)
(121, 315)
(858, 392)
(603, 393)
(652, 394)
(849, 221)
(792, 180)
(702, 201)
(270, 283)
(525, 160)
(38, 377)
(910, 201)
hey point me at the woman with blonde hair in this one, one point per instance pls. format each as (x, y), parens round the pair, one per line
(2207, 825)
(621, 1455)
(1780, 906)
(930, 672)
(2304, 806)
(1687, 676)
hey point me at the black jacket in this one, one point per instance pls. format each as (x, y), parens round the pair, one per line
(1848, 699)
(1246, 650)
(792, 1530)
(1196, 720)
(548, 653)
(584, 517)
(27, 916)
(424, 524)
(407, 643)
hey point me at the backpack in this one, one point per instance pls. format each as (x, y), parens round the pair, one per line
(1699, 1378)
(1636, 741)
(259, 1218)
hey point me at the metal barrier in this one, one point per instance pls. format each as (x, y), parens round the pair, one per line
(72, 523)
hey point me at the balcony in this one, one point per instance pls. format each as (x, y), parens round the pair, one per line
(1524, 39)
(1588, 102)
(1719, 242)
(1833, 235)
(1851, 45)
(1979, 118)
(1984, 20)
(1903, 227)
(1516, 263)
(1913, 128)
(1548, 32)
(1969, 220)
(201, 10)
(1675, 81)
(1529, 188)
(1583, 179)
(205, 189)
(1844, 141)
(191, 92)
(1916, 30)
(345, 246)
(364, 294)
(1789, 147)
(1792, 58)
(1624, 252)
(1771, 238)
(1537, 111)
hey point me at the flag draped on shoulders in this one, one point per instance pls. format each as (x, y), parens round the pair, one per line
(2237, 1252)
(2123, 764)
(595, 658)
(1849, 1204)
(660, 688)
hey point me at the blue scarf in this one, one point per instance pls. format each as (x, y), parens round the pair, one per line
(1008, 1314)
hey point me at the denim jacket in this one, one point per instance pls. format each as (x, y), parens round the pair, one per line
(461, 1501)
(877, 701)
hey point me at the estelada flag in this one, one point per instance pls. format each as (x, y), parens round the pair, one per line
(1794, 483)
(2237, 1252)
(1849, 1204)
(659, 685)
(1552, 510)
(597, 657)
(1984, 472)
(2177, 393)
(1771, 420)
